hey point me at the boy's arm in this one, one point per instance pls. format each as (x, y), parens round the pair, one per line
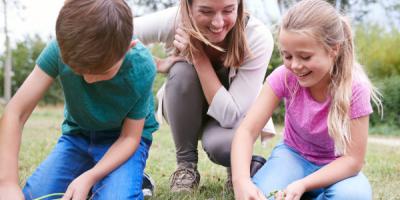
(14, 117)
(122, 149)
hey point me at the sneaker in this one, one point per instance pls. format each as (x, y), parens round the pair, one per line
(148, 186)
(256, 163)
(186, 178)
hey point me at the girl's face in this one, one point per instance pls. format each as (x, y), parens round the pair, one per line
(215, 18)
(307, 59)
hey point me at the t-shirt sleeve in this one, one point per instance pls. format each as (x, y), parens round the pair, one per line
(50, 59)
(142, 107)
(360, 101)
(276, 81)
(144, 83)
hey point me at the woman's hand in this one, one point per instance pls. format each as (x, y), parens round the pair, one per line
(246, 190)
(79, 188)
(164, 65)
(181, 40)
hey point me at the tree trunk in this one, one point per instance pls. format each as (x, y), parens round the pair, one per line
(8, 63)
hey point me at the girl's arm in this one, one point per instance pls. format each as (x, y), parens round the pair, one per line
(120, 151)
(343, 167)
(14, 117)
(242, 145)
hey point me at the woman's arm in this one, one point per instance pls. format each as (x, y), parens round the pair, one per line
(14, 117)
(229, 106)
(242, 145)
(122, 149)
(157, 27)
(343, 167)
(209, 80)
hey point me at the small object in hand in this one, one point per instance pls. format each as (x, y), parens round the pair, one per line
(276, 193)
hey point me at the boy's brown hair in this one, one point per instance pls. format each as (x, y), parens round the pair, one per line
(93, 35)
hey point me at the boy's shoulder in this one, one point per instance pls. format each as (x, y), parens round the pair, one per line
(141, 66)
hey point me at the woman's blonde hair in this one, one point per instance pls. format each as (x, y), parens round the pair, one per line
(237, 48)
(321, 21)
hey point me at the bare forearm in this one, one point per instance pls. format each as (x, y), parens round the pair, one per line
(118, 153)
(10, 137)
(208, 78)
(242, 148)
(335, 171)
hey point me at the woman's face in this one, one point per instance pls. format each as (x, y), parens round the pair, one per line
(215, 18)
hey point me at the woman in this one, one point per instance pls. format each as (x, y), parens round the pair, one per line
(218, 59)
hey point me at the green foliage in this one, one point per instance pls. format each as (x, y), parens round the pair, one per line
(378, 50)
(390, 89)
(24, 56)
(43, 128)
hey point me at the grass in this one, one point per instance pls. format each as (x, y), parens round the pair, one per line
(43, 128)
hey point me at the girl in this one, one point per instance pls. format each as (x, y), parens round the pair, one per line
(327, 100)
(223, 58)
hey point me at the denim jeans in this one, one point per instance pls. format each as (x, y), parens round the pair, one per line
(75, 154)
(285, 165)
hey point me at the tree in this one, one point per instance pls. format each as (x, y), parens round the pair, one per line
(8, 58)
(7, 63)
(343, 5)
(145, 6)
(25, 53)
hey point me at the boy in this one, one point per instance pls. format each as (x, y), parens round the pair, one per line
(108, 125)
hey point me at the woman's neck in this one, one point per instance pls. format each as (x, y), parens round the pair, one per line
(214, 54)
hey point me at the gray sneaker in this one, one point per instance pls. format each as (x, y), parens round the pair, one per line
(186, 178)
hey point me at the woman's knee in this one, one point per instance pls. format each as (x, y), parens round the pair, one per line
(217, 143)
(182, 79)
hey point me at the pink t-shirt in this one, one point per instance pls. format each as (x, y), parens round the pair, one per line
(306, 128)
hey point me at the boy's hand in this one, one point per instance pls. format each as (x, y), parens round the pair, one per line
(10, 192)
(79, 188)
(246, 190)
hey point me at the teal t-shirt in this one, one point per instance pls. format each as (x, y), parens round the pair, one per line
(102, 106)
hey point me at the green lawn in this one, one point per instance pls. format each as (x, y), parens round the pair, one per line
(42, 130)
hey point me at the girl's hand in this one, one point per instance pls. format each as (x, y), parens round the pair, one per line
(79, 188)
(164, 65)
(246, 190)
(294, 191)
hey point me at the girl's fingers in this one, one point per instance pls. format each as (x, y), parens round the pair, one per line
(261, 195)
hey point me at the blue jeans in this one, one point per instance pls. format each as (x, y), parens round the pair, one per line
(75, 154)
(285, 165)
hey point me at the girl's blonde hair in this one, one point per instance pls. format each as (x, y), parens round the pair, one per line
(321, 21)
(237, 48)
